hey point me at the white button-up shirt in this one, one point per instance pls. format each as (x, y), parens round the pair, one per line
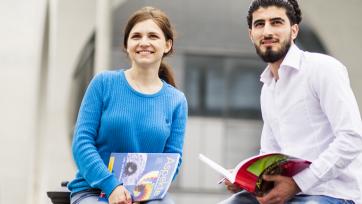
(310, 112)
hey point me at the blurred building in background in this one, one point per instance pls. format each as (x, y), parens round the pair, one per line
(50, 49)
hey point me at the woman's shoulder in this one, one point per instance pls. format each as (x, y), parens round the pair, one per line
(109, 74)
(175, 92)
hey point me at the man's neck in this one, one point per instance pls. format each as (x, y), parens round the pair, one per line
(274, 67)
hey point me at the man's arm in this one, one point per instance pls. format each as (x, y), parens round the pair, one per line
(337, 101)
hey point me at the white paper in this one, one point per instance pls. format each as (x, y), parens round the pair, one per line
(226, 173)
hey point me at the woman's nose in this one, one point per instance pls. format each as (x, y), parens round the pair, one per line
(144, 41)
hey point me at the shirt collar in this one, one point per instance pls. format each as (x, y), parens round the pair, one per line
(291, 60)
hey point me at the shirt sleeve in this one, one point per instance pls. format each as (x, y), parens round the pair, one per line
(337, 101)
(174, 143)
(86, 156)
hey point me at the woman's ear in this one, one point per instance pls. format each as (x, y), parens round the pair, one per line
(169, 44)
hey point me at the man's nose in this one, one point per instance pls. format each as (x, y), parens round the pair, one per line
(268, 30)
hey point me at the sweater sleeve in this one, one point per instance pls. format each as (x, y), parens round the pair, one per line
(174, 143)
(86, 156)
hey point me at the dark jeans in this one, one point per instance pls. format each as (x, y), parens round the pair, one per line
(91, 197)
(244, 197)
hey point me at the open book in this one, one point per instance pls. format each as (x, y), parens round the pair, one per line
(147, 176)
(248, 173)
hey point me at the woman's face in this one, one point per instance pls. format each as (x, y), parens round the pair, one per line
(146, 44)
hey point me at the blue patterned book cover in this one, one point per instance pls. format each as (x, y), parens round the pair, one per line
(147, 176)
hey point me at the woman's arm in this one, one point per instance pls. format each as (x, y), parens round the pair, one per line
(86, 156)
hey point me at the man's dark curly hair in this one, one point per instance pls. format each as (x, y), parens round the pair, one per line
(291, 6)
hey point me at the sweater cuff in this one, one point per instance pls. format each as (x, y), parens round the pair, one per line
(306, 180)
(109, 185)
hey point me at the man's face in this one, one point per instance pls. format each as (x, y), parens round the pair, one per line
(271, 33)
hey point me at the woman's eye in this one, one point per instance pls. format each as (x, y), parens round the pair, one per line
(135, 36)
(153, 36)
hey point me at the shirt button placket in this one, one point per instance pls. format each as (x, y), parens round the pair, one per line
(277, 107)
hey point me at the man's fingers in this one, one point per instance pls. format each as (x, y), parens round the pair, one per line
(268, 199)
(227, 182)
(272, 177)
(230, 188)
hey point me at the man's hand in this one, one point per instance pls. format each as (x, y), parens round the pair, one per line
(231, 187)
(284, 189)
(120, 195)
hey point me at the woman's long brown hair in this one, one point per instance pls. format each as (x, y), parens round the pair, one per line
(161, 19)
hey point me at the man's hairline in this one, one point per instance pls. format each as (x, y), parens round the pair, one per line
(265, 7)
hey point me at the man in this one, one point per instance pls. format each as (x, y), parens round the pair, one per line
(309, 111)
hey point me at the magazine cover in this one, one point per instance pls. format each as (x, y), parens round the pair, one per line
(147, 176)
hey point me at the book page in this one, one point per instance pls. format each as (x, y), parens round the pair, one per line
(217, 168)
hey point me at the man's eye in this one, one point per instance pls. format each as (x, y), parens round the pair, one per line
(258, 25)
(277, 22)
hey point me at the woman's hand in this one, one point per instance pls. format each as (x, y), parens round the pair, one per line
(120, 195)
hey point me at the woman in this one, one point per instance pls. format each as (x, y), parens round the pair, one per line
(137, 110)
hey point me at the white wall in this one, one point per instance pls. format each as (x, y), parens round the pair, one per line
(35, 150)
(72, 23)
(21, 32)
(226, 141)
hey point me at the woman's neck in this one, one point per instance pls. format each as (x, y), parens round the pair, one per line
(144, 80)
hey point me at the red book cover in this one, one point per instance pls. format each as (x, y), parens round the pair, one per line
(248, 173)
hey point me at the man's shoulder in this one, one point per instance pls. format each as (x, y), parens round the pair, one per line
(322, 66)
(314, 58)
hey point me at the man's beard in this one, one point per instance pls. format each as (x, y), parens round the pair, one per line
(271, 56)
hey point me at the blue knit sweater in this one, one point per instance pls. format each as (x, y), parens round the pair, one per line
(114, 117)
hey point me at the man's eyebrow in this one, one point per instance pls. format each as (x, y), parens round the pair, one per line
(271, 19)
(258, 21)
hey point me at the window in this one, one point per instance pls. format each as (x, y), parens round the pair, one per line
(82, 75)
(223, 86)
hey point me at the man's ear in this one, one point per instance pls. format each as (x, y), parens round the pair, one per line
(295, 31)
(250, 36)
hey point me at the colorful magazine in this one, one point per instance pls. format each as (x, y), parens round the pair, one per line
(248, 173)
(147, 176)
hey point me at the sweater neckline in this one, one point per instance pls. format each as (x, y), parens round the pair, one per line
(123, 77)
